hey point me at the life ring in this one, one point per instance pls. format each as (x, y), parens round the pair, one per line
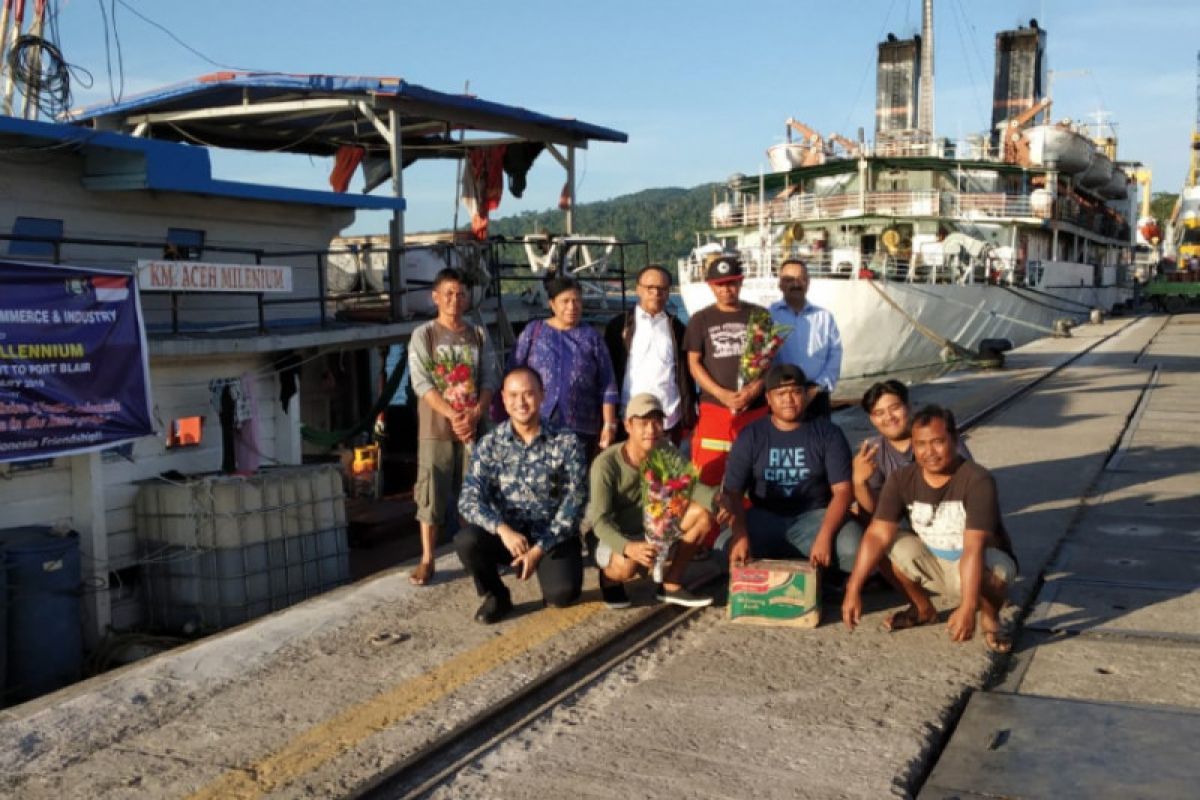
(792, 233)
(891, 240)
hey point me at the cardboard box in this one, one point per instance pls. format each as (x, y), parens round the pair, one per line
(768, 592)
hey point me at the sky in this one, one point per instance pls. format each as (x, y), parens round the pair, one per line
(701, 88)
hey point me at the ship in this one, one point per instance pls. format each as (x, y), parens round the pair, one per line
(925, 249)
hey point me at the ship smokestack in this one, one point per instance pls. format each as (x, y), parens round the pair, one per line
(1020, 73)
(896, 80)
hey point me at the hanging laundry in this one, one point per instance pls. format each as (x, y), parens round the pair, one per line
(289, 376)
(246, 439)
(242, 410)
(344, 163)
(518, 159)
(483, 185)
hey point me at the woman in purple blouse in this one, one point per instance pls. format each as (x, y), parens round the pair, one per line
(581, 390)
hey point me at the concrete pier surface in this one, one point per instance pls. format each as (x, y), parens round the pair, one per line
(1098, 475)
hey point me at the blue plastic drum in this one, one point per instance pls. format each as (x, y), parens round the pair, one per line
(3, 626)
(45, 636)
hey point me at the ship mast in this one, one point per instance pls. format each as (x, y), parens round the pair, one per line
(925, 93)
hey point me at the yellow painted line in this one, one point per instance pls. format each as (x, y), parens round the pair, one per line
(326, 741)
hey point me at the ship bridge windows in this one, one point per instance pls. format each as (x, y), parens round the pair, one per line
(35, 237)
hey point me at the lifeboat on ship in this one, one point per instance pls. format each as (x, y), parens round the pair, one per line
(1098, 173)
(1117, 187)
(1060, 148)
(787, 156)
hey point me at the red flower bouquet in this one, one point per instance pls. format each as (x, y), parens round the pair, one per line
(455, 379)
(763, 340)
(667, 483)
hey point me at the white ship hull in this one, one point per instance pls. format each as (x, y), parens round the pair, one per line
(880, 339)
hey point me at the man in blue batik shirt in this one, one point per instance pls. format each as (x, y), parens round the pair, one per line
(814, 345)
(796, 473)
(523, 496)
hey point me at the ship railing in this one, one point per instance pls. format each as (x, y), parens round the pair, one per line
(991, 205)
(918, 203)
(812, 207)
(342, 284)
(762, 263)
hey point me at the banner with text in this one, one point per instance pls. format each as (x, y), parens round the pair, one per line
(73, 367)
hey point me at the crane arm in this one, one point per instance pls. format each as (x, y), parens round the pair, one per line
(1027, 116)
(1016, 147)
(810, 137)
(1144, 177)
(851, 147)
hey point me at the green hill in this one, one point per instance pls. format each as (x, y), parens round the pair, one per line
(665, 218)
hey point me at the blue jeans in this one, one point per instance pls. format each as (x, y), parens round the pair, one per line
(778, 536)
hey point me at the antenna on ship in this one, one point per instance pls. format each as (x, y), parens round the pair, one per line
(925, 90)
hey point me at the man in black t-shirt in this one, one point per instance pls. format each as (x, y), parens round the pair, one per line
(957, 546)
(797, 476)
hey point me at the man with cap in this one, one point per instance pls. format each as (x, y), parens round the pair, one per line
(814, 345)
(797, 475)
(615, 512)
(714, 341)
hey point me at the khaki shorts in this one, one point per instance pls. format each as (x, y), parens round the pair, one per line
(441, 466)
(939, 576)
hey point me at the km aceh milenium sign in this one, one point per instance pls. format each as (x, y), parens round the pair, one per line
(73, 369)
(199, 276)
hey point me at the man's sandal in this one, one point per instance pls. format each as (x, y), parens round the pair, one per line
(907, 618)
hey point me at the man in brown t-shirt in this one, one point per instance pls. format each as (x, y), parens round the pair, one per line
(957, 547)
(447, 422)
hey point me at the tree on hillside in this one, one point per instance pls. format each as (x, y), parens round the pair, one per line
(667, 219)
(1162, 204)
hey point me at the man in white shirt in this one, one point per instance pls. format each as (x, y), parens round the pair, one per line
(646, 345)
(814, 345)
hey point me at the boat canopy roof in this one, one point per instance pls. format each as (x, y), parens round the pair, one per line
(318, 114)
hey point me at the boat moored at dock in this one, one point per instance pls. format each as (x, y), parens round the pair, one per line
(922, 249)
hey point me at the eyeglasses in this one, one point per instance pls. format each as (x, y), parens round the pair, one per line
(790, 280)
(649, 287)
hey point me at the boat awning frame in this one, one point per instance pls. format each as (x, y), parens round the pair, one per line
(395, 122)
(318, 114)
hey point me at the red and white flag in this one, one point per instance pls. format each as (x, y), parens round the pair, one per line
(111, 289)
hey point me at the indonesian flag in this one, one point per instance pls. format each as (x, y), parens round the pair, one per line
(111, 289)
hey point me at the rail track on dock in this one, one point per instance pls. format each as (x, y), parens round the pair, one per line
(438, 761)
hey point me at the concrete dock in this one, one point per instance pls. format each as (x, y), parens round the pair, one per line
(1098, 472)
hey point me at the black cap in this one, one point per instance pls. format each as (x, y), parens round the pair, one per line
(784, 375)
(723, 269)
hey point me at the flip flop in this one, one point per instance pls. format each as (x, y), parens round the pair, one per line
(905, 619)
(421, 575)
(997, 642)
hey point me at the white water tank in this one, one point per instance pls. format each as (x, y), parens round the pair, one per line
(1041, 202)
(218, 550)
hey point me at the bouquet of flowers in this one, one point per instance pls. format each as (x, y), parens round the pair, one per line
(763, 340)
(453, 377)
(667, 482)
